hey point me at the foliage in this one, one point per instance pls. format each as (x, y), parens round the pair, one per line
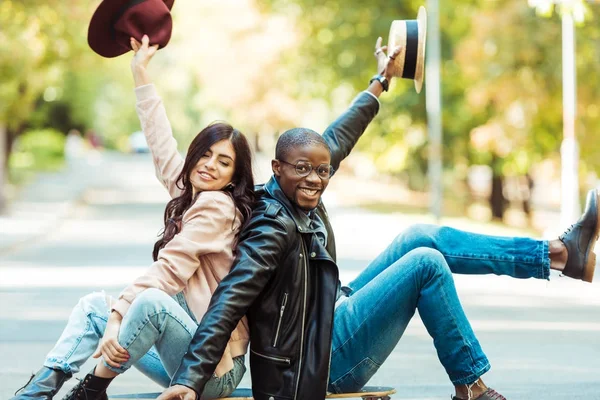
(38, 150)
(280, 63)
(501, 79)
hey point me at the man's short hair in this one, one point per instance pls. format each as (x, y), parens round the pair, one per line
(297, 137)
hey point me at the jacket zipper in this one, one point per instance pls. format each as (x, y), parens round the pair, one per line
(303, 318)
(280, 359)
(283, 303)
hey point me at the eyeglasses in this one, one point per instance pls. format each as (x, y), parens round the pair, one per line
(304, 168)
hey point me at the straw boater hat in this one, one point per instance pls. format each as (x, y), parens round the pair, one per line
(115, 21)
(411, 35)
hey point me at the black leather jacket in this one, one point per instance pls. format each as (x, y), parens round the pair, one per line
(286, 282)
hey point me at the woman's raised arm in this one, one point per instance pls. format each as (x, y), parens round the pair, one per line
(168, 163)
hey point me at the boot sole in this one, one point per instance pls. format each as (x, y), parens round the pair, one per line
(590, 265)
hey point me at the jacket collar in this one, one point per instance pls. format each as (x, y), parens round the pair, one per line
(301, 219)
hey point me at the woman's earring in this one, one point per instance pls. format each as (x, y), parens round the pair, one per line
(230, 186)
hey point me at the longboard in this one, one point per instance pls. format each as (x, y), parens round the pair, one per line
(367, 393)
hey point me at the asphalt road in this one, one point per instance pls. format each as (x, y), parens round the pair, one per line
(542, 338)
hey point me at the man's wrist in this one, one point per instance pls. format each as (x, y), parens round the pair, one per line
(187, 384)
(383, 81)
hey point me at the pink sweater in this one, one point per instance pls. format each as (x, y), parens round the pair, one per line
(199, 256)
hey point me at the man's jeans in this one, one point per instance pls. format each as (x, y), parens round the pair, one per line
(415, 272)
(156, 331)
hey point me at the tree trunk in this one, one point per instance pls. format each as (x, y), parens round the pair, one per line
(497, 201)
(497, 198)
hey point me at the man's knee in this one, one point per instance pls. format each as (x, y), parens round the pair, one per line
(417, 235)
(429, 262)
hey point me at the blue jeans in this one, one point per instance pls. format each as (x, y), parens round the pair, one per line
(415, 272)
(156, 331)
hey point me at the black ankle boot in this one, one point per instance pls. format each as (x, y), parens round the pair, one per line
(43, 385)
(90, 388)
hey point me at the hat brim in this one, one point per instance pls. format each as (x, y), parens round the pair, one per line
(100, 35)
(397, 37)
(420, 70)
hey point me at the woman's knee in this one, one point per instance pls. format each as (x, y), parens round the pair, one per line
(150, 300)
(417, 235)
(95, 302)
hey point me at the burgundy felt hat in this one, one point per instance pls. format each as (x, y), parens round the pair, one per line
(115, 21)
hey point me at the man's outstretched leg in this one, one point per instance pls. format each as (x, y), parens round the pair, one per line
(473, 253)
(370, 322)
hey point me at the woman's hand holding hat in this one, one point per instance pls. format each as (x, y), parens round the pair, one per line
(143, 54)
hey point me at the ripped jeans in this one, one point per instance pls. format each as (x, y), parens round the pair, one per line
(156, 331)
(415, 273)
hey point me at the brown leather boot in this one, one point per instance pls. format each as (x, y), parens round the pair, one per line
(580, 239)
(489, 394)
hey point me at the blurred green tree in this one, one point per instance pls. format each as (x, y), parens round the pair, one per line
(501, 81)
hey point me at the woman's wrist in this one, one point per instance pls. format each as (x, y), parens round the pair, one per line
(140, 75)
(115, 316)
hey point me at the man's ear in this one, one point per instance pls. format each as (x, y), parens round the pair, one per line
(276, 166)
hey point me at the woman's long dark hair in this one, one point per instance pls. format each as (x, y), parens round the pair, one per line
(241, 190)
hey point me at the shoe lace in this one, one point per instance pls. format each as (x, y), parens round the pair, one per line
(25, 385)
(470, 391)
(569, 229)
(77, 389)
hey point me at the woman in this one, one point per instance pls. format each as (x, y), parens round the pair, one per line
(212, 195)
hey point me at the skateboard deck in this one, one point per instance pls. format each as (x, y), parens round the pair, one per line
(367, 393)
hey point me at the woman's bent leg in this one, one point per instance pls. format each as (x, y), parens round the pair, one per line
(82, 334)
(156, 319)
(369, 324)
(76, 344)
(151, 365)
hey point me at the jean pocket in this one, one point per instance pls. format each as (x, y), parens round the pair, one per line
(357, 377)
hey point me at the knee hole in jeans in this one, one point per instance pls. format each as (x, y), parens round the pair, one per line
(94, 303)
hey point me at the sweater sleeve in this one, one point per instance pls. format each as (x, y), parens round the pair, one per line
(168, 163)
(204, 230)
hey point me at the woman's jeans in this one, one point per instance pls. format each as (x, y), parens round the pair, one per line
(156, 331)
(415, 272)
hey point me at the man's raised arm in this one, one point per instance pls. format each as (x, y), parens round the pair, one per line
(344, 132)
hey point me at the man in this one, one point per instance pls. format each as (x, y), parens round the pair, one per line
(308, 334)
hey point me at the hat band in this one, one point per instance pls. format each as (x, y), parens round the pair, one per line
(412, 48)
(121, 12)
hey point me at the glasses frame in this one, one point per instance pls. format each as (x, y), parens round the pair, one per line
(331, 169)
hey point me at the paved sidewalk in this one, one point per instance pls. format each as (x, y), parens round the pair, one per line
(93, 227)
(42, 205)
